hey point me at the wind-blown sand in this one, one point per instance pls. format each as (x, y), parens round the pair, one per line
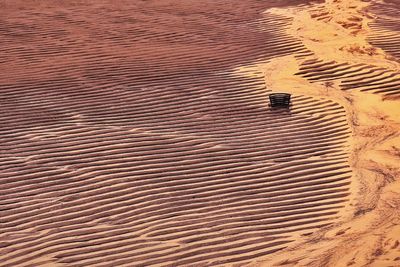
(138, 133)
(369, 232)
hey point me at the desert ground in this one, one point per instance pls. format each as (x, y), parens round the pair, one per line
(139, 133)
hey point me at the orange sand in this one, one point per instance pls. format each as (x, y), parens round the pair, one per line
(141, 148)
(369, 232)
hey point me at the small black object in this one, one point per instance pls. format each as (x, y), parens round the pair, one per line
(279, 100)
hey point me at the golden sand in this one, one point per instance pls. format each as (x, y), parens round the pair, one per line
(369, 232)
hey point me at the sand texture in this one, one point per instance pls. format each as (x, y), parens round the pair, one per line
(356, 64)
(138, 133)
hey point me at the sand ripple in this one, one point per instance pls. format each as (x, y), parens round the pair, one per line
(130, 138)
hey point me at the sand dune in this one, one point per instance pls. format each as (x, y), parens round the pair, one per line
(138, 133)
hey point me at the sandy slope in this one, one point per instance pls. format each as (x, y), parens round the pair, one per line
(369, 233)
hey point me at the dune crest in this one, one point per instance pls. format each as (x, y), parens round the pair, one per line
(340, 67)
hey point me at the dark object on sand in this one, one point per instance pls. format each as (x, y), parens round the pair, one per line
(281, 100)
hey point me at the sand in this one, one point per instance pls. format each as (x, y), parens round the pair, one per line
(138, 133)
(368, 234)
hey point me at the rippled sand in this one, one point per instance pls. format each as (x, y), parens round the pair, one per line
(355, 63)
(138, 133)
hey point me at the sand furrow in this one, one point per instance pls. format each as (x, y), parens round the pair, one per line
(139, 134)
